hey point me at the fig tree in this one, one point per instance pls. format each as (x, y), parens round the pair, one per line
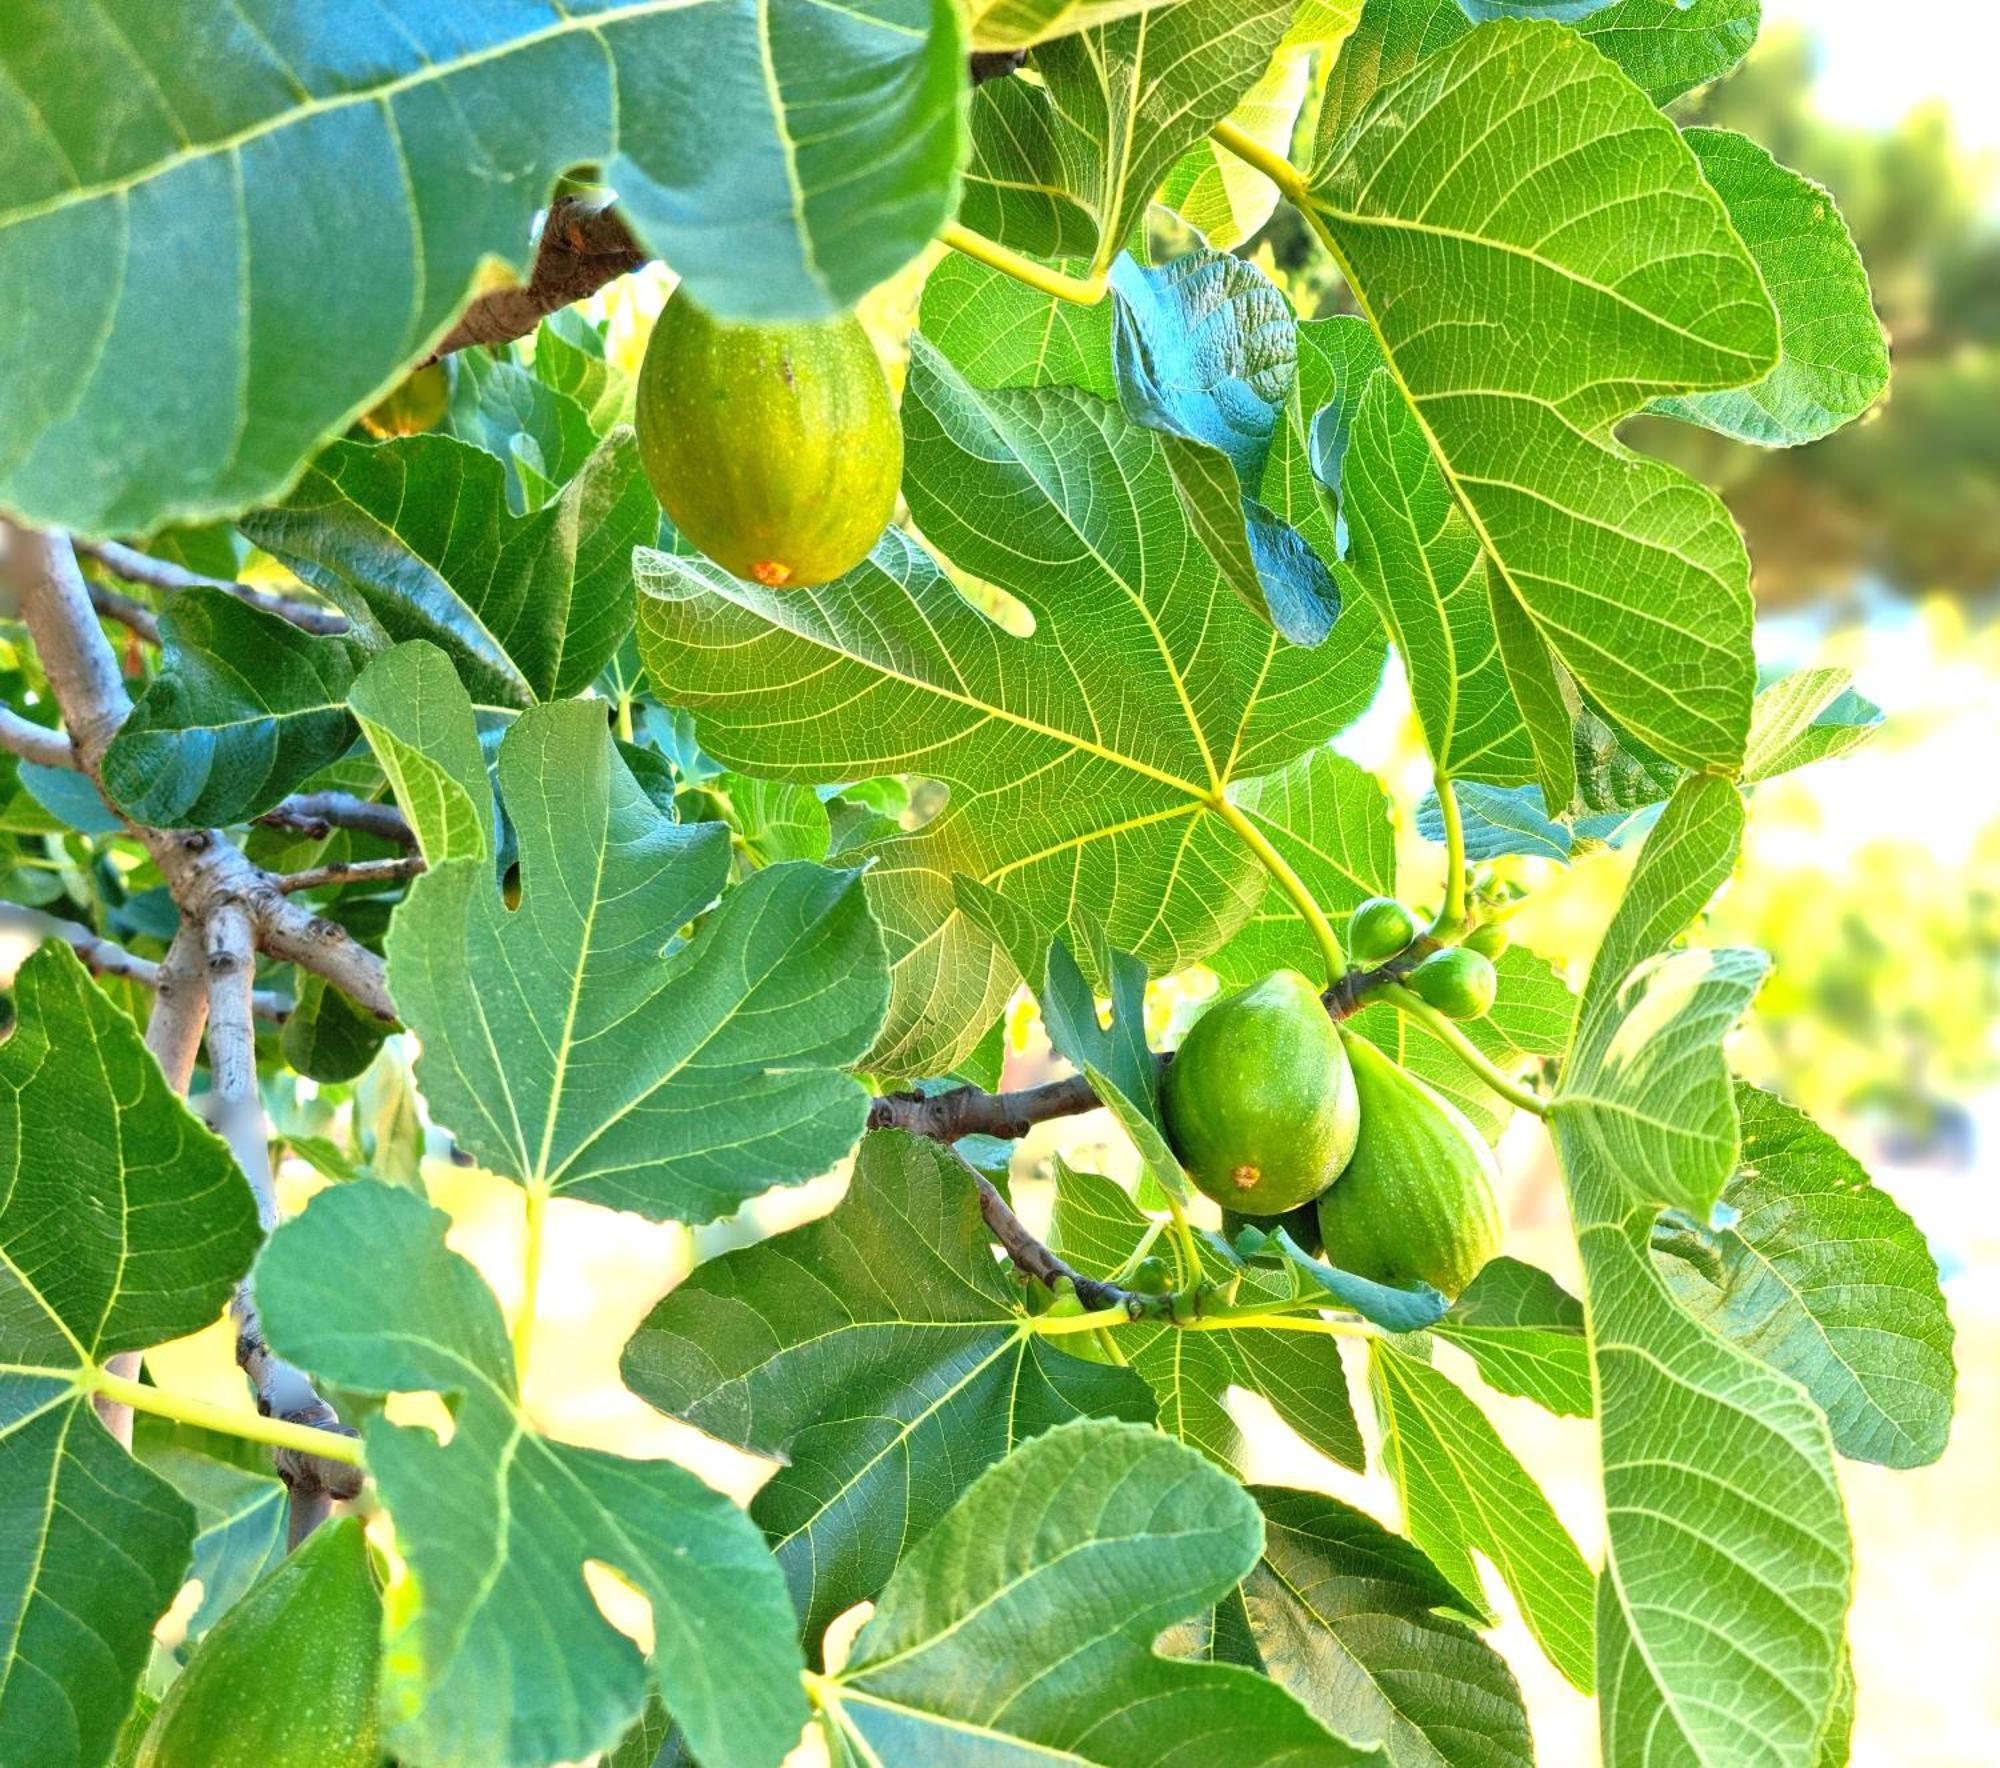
(773, 448)
(1378, 929)
(1458, 981)
(1259, 1101)
(1416, 1201)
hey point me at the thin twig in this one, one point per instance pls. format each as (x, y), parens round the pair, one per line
(968, 1111)
(106, 957)
(360, 871)
(163, 574)
(127, 611)
(318, 814)
(36, 742)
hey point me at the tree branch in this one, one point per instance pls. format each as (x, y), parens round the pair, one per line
(360, 871)
(318, 814)
(162, 574)
(35, 742)
(105, 957)
(584, 244)
(967, 1111)
(282, 1391)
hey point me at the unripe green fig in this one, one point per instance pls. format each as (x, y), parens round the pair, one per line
(416, 405)
(775, 449)
(1378, 929)
(1152, 1275)
(1259, 1102)
(1416, 1202)
(1488, 939)
(1458, 981)
(288, 1678)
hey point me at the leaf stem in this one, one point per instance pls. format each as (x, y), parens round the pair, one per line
(1084, 291)
(1252, 152)
(1061, 1325)
(253, 1427)
(1289, 882)
(1464, 1049)
(1451, 917)
(1254, 1319)
(537, 1197)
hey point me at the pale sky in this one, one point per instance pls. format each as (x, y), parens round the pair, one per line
(1878, 60)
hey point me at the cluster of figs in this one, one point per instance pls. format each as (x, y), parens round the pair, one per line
(1275, 1110)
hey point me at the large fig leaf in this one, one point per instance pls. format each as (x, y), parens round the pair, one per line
(503, 1655)
(579, 1045)
(226, 232)
(1540, 256)
(882, 1354)
(1718, 1469)
(1022, 1627)
(123, 1223)
(1086, 761)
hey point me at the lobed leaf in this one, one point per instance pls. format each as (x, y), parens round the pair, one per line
(880, 1352)
(1024, 1622)
(1540, 255)
(578, 1045)
(497, 1523)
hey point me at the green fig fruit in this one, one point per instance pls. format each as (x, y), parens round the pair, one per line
(1488, 939)
(1152, 1275)
(414, 405)
(1458, 981)
(288, 1678)
(775, 449)
(1416, 1203)
(1378, 929)
(1259, 1102)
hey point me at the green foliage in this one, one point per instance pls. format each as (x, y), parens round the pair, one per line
(731, 1043)
(496, 1524)
(1029, 1614)
(213, 742)
(882, 1354)
(122, 1223)
(712, 878)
